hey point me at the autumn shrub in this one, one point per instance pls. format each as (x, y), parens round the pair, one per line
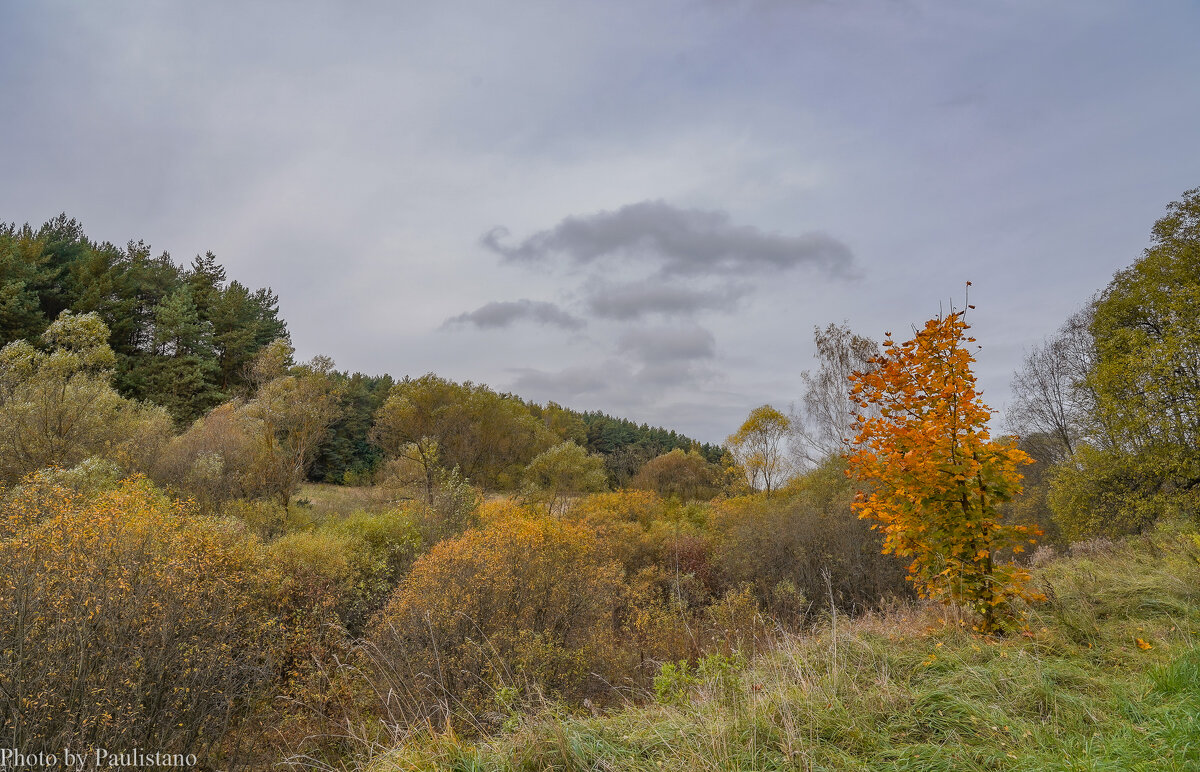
(736, 623)
(642, 528)
(268, 518)
(329, 577)
(652, 617)
(667, 555)
(452, 507)
(622, 521)
(530, 601)
(58, 406)
(499, 511)
(657, 623)
(392, 537)
(685, 555)
(126, 621)
(89, 477)
(634, 506)
(804, 542)
(933, 478)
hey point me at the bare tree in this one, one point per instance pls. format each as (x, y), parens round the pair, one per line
(1051, 395)
(826, 416)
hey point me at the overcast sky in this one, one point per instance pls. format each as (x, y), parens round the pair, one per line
(637, 207)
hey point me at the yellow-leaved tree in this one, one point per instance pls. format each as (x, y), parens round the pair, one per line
(934, 477)
(759, 447)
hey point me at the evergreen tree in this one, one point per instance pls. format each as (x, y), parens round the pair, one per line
(22, 262)
(181, 375)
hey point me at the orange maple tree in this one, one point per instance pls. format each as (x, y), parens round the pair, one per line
(933, 475)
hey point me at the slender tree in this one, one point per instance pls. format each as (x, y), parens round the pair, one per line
(758, 446)
(932, 476)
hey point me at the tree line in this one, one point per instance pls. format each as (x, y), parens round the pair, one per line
(188, 339)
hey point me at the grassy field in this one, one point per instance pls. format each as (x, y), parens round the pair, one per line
(1105, 675)
(325, 500)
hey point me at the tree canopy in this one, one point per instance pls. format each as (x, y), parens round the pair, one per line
(181, 336)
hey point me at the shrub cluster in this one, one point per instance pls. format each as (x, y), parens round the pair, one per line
(131, 619)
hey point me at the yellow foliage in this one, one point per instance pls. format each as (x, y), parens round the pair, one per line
(631, 506)
(499, 512)
(525, 598)
(126, 620)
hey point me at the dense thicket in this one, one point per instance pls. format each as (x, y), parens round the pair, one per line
(127, 622)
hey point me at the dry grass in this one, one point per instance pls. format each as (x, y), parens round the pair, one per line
(912, 688)
(326, 500)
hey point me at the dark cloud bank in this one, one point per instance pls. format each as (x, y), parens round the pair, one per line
(673, 264)
(678, 242)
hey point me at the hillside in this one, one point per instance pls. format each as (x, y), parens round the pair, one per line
(1105, 676)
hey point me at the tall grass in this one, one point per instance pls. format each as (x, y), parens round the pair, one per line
(1105, 675)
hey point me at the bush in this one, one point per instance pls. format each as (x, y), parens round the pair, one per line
(326, 576)
(622, 520)
(560, 472)
(685, 476)
(209, 461)
(58, 406)
(127, 622)
(529, 601)
(806, 542)
(392, 537)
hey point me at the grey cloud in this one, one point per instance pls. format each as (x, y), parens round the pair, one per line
(657, 346)
(681, 242)
(649, 363)
(636, 299)
(505, 313)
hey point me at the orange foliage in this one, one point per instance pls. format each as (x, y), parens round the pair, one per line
(936, 475)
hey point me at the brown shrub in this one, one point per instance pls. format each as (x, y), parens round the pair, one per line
(806, 541)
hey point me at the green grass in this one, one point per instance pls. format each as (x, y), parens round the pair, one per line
(914, 690)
